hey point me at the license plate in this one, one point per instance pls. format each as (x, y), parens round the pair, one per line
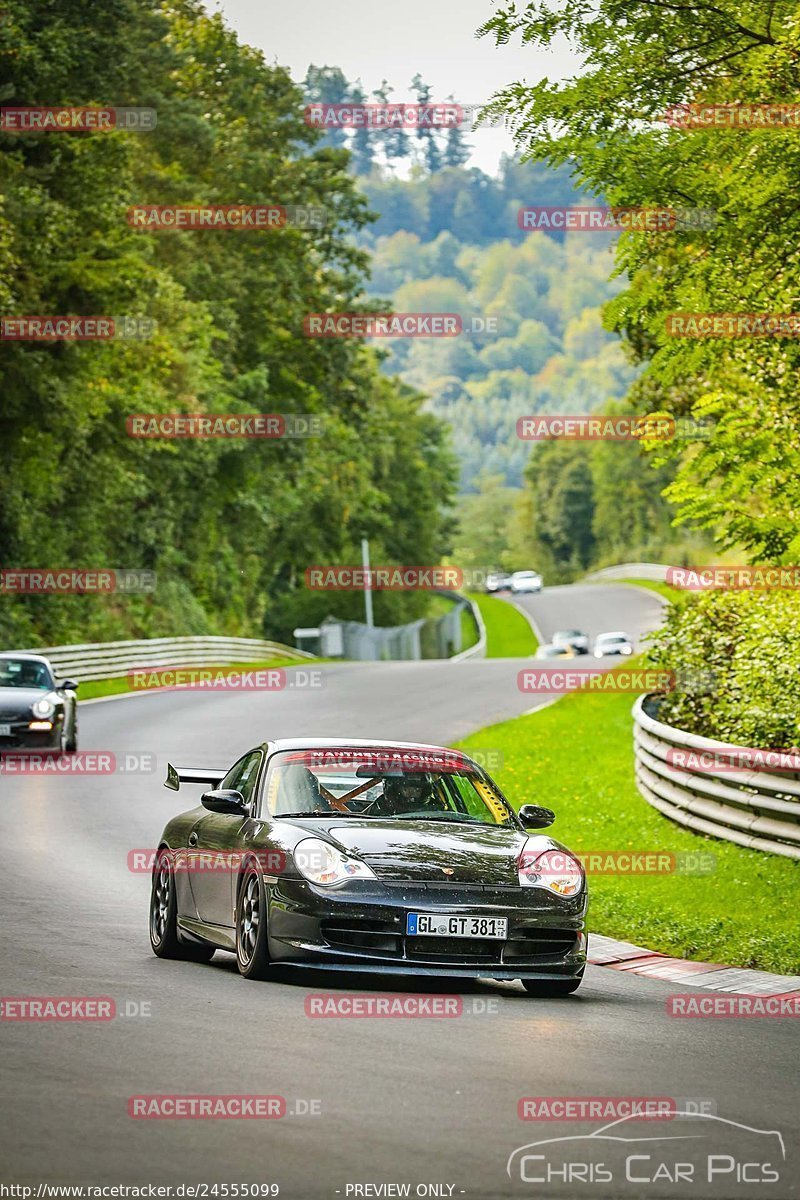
(5, 731)
(445, 925)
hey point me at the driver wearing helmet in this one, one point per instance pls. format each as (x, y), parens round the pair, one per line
(407, 794)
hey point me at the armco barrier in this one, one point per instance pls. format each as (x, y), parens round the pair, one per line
(756, 809)
(106, 660)
(656, 572)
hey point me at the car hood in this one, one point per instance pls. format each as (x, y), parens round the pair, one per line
(431, 850)
(17, 699)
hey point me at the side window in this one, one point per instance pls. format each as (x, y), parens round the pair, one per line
(249, 777)
(243, 775)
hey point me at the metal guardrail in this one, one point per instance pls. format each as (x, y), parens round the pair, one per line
(479, 648)
(653, 571)
(107, 660)
(757, 809)
(428, 637)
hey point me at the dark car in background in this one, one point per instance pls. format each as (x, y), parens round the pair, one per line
(574, 638)
(498, 581)
(359, 855)
(36, 712)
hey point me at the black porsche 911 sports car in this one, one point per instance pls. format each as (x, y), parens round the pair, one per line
(359, 855)
(36, 712)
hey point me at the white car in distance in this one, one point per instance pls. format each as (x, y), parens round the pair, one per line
(525, 581)
(612, 643)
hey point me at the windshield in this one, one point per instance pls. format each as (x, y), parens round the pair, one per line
(24, 672)
(381, 783)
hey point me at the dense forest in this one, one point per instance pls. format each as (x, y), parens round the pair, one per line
(229, 526)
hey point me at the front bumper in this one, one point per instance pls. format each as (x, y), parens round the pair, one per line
(363, 928)
(21, 737)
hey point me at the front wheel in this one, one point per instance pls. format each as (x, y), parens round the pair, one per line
(164, 917)
(252, 955)
(72, 743)
(552, 987)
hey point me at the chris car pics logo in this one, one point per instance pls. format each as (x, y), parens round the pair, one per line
(694, 1148)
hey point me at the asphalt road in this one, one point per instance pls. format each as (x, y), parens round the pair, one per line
(405, 1102)
(594, 609)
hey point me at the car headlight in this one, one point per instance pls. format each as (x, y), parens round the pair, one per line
(43, 708)
(555, 870)
(320, 862)
(627, 650)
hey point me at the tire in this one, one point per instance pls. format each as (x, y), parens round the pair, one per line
(551, 988)
(72, 744)
(163, 921)
(252, 954)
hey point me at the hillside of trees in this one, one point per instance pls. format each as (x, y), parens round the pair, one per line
(229, 526)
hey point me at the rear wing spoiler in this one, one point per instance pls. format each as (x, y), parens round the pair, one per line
(208, 775)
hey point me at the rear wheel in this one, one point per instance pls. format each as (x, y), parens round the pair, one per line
(164, 917)
(552, 987)
(252, 955)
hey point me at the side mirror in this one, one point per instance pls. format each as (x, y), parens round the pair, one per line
(224, 800)
(535, 817)
(68, 685)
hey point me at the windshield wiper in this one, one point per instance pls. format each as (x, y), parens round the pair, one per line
(319, 812)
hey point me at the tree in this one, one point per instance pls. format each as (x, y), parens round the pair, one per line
(643, 60)
(426, 136)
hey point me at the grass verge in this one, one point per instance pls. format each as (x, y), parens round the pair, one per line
(576, 756)
(121, 683)
(669, 593)
(508, 634)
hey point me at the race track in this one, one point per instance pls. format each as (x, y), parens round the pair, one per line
(419, 1102)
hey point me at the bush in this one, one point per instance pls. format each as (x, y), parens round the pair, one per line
(737, 658)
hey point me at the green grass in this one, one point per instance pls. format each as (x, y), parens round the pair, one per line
(508, 634)
(121, 684)
(576, 757)
(663, 589)
(469, 630)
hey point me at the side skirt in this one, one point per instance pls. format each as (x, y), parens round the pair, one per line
(217, 935)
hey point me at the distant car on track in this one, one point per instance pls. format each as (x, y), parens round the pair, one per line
(36, 712)
(550, 650)
(612, 643)
(526, 581)
(498, 581)
(574, 638)
(359, 855)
